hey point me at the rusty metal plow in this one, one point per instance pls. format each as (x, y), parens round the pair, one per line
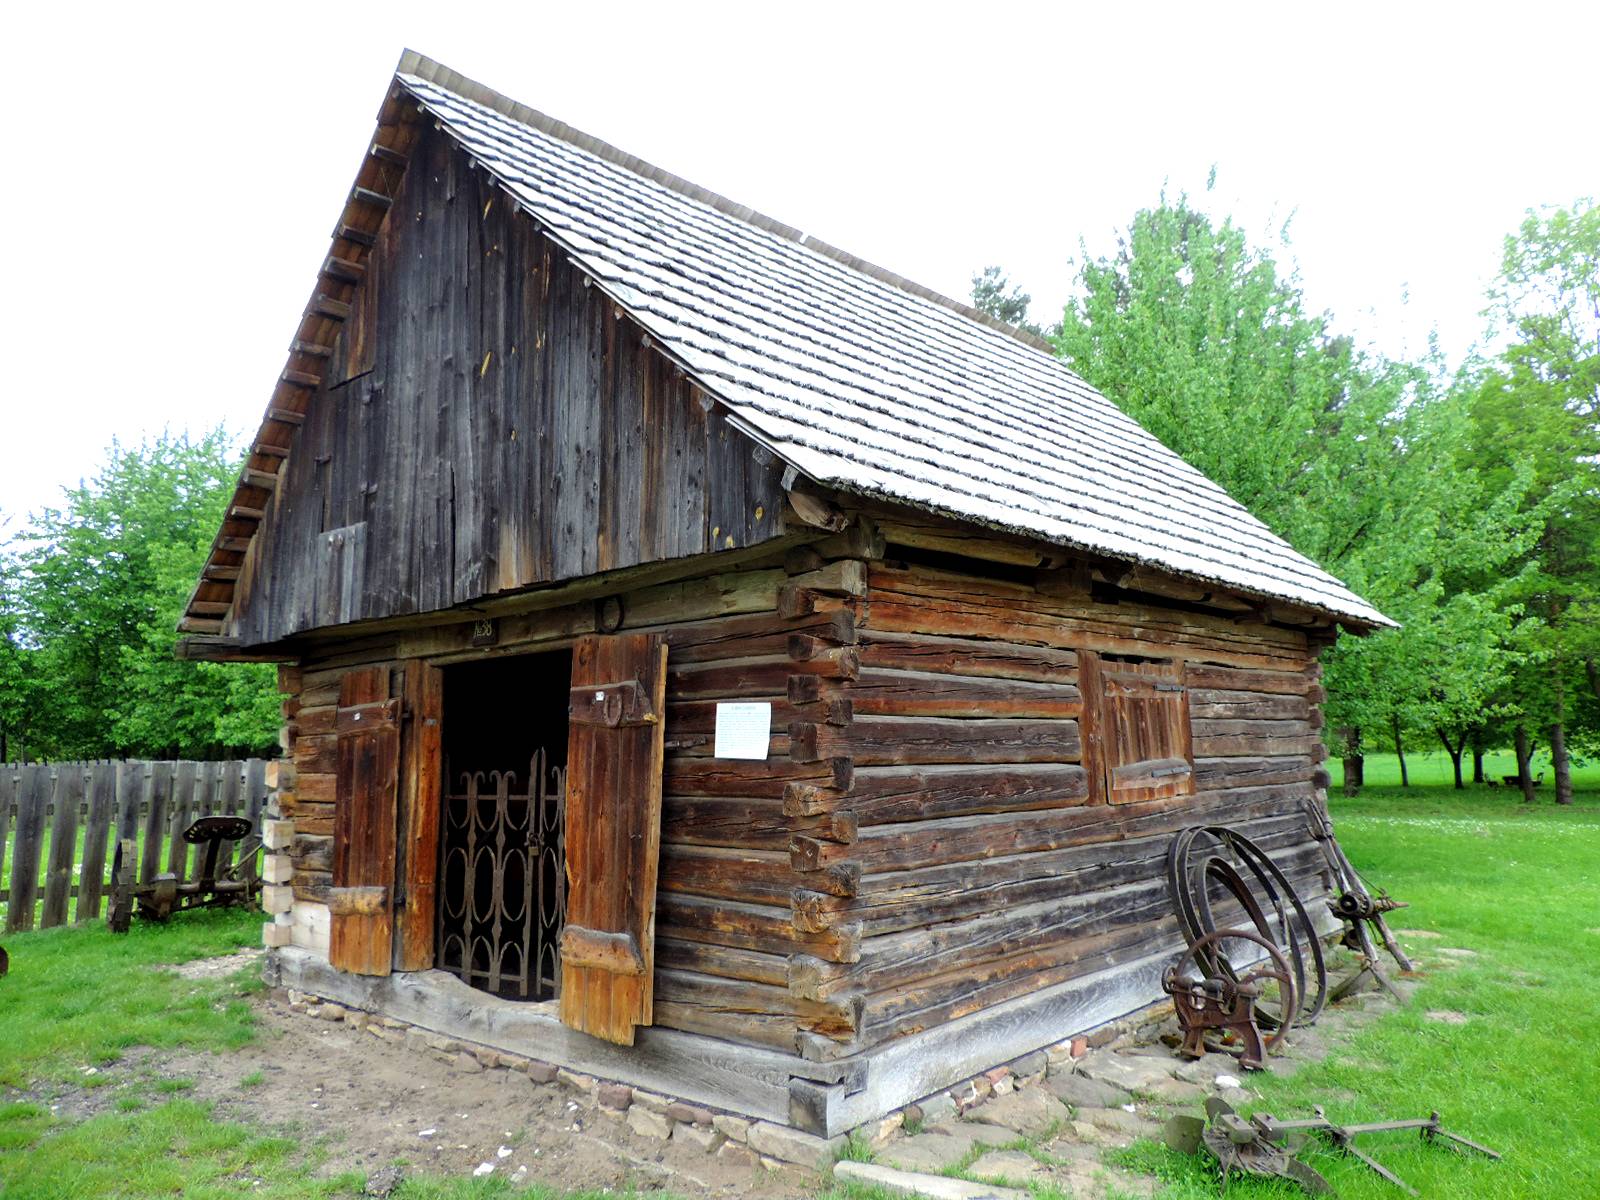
(1265, 1146)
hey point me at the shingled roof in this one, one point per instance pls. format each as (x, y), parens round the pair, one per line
(862, 381)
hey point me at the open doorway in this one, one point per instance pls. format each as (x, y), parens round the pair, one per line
(502, 875)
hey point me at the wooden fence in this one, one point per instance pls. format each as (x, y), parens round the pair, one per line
(68, 818)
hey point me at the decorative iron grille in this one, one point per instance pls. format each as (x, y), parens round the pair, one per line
(503, 881)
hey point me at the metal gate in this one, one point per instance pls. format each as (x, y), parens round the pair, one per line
(503, 881)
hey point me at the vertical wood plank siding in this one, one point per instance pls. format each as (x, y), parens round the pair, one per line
(59, 822)
(487, 423)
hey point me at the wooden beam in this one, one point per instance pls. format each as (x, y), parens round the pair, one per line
(236, 544)
(199, 625)
(359, 236)
(270, 450)
(303, 379)
(286, 416)
(334, 310)
(260, 479)
(242, 512)
(216, 648)
(220, 573)
(361, 195)
(388, 154)
(343, 269)
(314, 349)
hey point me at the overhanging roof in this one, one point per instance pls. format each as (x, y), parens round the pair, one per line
(863, 381)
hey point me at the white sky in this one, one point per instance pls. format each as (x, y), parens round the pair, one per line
(172, 175)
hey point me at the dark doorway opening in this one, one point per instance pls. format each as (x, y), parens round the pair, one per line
(502, 868)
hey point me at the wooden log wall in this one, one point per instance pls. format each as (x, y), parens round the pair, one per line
(922, 841)
(60, 824)
(484, 421)
(965, 849)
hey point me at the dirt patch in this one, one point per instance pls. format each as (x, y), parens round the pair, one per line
(370, 1103)
(1446, 1016)
(219, 967)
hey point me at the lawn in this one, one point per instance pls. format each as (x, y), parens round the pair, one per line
(1520, 887)
(1517, 885)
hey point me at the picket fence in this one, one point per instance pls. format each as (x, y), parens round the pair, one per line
(67, 817)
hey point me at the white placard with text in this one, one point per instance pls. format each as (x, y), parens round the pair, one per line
(744, 730)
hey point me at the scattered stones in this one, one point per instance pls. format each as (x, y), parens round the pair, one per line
(702, 1138)
(587, 1084)
(614, 1096)
(939, 1148)
(909, 1183)
(467, 1063)
(1446, 1016)
(1082, 1092)
(383, 1181)
(1030, 1113)
(936, 1108)
(736, 1129)
(1131, 1074)
(1030, 1064)
(1115, 1120)
(330, 1012)
(541, 1072)
(1006, 1166)
(689, 1114)
(652, 1101)
(647, 1122)
(886, 1129)
(791, 1145)
(739, 1154)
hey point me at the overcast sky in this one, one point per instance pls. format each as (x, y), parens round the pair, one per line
(172, 175)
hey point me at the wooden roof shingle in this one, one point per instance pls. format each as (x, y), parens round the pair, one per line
(863, 381)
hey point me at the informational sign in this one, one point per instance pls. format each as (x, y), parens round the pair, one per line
(744, 730)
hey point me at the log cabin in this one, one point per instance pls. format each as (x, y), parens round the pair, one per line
(714, 663)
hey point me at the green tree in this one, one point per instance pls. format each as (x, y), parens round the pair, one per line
(995, 294)
(1536, 410)
(1359, 462)
(99, 585)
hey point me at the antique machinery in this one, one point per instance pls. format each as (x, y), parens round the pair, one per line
(1263, 1145)
(1214, 860)
(1360, 910)
(1209, 999)
(239, 883)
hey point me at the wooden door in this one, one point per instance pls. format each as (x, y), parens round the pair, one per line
(361, 902)
(613, 833)
(421, 804)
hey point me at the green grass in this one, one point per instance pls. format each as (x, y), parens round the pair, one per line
(1433, 769)
(1519, 886)
(79, 997)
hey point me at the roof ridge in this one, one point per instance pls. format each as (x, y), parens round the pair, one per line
(436, 73)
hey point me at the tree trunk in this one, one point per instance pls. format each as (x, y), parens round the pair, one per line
(1477, 756)
(1400, 753)
(1355, 763)
(1454, 751)
(1592, 670)
(1524, 773)
(1560, 764)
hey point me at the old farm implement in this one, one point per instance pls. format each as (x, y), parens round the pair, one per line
(221, 880)
(1262, 1145)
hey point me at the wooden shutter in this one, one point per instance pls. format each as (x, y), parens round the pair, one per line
(362, 899)
(1144, 724)
(613, 833)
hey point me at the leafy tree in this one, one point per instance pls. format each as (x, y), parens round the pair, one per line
(98, 585)
(995, 294)
(1536, 410)
(1361, 463)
